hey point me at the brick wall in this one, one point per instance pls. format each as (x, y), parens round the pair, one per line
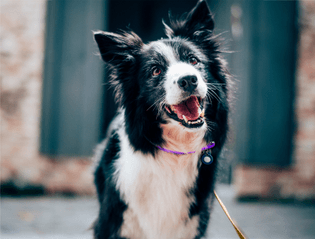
(298, 181)
(22, 53)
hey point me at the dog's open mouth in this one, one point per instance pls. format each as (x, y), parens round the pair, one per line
(189, 112)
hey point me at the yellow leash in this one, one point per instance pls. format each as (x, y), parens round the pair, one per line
(238, 231)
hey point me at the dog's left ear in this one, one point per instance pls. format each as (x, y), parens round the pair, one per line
(115, 48)
(198, 20)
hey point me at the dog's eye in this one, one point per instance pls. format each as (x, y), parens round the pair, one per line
(156, 71)
(193, 60)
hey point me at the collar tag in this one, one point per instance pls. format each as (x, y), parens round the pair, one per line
(207, 158)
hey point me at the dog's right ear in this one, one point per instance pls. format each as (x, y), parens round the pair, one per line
(199, 20)
(118, 48)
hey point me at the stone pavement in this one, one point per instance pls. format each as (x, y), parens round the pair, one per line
(70, 218)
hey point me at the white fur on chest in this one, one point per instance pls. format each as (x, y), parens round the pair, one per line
(157, 194)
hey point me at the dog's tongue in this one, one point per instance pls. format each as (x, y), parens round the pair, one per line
(189, 108)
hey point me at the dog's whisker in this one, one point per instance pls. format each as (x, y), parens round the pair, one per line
(216, 95)
(215, 87)
(213, 94)
(209, 98)
(215, 83)
(157, 102)
(210, 95)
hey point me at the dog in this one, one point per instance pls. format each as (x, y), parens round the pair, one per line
(156, 168)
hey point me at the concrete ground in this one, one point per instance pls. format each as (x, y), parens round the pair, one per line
(70, 218)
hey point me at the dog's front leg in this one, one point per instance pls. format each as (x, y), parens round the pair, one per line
(110, 217)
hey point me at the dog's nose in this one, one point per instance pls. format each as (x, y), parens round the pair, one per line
(188, 83)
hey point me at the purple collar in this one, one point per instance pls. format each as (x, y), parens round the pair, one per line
(209, 146)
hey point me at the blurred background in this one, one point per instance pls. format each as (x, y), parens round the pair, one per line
(55, 107)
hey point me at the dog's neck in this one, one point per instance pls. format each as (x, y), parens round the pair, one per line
(177, 138)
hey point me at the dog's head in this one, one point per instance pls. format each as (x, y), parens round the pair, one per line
(178, 80)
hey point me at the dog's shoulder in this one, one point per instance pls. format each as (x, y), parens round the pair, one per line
(110, 139)
(105, 155)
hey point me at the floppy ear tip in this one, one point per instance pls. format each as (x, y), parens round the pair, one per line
(97, 32)
(98, 35)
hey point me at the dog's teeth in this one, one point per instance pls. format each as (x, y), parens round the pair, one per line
(173, 108)
(184, 117)
(202, 114)
(199, 111)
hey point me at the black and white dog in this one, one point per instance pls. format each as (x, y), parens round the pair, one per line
(151, 180)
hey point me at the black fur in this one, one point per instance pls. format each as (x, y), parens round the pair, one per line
(136, 91)
(112, 207)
